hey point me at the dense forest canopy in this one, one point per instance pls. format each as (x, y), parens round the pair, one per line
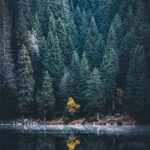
(95, 51)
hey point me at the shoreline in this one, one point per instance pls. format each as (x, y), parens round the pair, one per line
(113, 121)
(98, 130)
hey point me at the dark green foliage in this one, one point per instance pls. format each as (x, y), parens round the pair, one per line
(51, 57)
(20, 31)
(127, 45)
(22, 24)
(84, 76)
(137, 95)
(89, 49)
(83, 28)
(47, 21)
(45, 96)
(112, 39)
(25, 82)
(110, 69)
(142, 25)
(74, 78)
(91, 44)
(8, 100)
(63, 41)
(95, 94)
(118, 27)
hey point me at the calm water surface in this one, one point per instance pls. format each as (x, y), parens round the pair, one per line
(32, 141)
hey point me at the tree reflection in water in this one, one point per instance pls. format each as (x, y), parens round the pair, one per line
(19, 141)
(72, 142)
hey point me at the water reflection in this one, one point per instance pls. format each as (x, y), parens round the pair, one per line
(13, 141)
(72, 142)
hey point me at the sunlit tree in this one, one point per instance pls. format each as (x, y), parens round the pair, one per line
(72, 106)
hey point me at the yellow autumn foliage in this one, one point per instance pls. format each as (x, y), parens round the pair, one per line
(72, 106)
(72, 142)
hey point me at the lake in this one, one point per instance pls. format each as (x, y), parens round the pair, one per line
(48, 140)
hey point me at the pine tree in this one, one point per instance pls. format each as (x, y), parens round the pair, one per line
(44, 51)
(118, 27)
(110, 70)
(96, 91)
(6, 51)
(77, 20)
(63, 41)
(34, 53)
(55, 62)
(24, 8)
(47, 21)
(91, 43)
(51, 57)
(67, 16)
(137, 100)
(25, 82)
(127, 45)
(22, 26)
(36, 26)
(55, 66)
(105, 12)
(45, 96)
(84, 25)
(73, 84)
(112, 39)
(84, 77)
(21, 29)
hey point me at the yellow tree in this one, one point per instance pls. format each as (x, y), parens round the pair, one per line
(72, 106)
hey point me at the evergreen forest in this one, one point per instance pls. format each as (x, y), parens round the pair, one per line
(96, 52)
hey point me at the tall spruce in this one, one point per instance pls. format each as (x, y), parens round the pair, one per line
(112, 39)
(96, 91)
(45, 97)
(84, 77)
(91, 43)
(110, 70)
(25, 82)
(84, 25)
(118, 27)
(67, 16)
(22, 26)
(47, 20)
(63, 41)
(73, 84)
